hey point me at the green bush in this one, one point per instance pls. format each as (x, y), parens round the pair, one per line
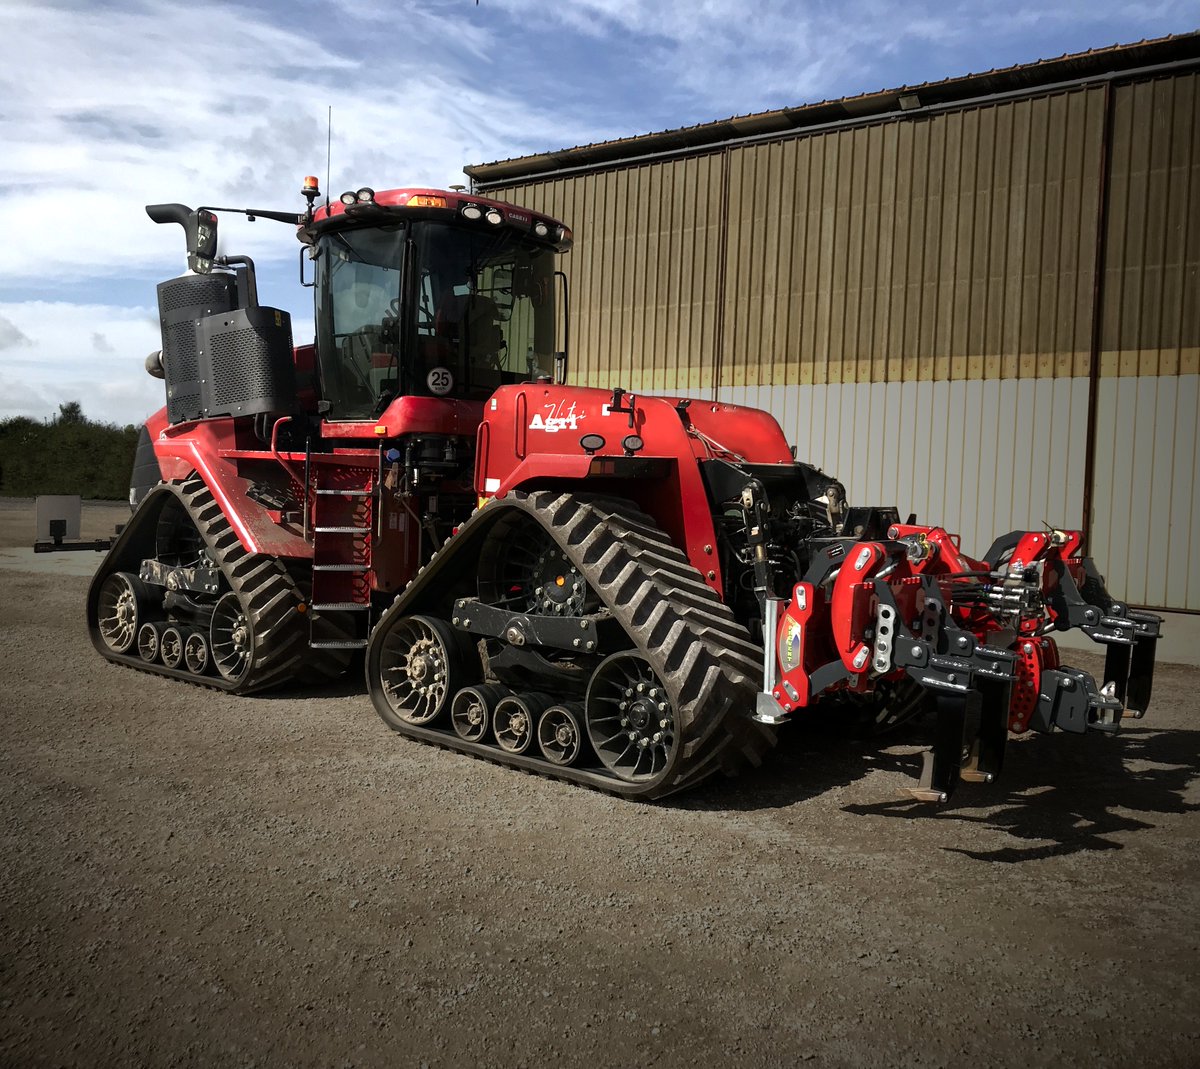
(68, 454)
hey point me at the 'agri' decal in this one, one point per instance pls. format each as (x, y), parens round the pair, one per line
(556, 419)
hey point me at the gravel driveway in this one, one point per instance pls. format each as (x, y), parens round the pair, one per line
(196, 879)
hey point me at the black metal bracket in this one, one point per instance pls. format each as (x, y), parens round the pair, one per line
(1068, 698)
(618, 395)
(1097, 615)
(196, 578)
(580, 634)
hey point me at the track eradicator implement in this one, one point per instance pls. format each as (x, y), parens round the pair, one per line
(626, 592)
(975, 634)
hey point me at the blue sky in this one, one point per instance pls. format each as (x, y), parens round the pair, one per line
(108, 105)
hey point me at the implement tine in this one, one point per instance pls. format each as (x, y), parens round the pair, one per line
(1116, 668)
(1141, 676)
(987, 753)
(943, 763)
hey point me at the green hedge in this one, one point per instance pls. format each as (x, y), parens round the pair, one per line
(66, 455)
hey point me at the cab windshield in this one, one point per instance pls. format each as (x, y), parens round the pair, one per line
(431, 309)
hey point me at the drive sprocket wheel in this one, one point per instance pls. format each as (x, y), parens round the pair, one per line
(524, 571)
(260, 634)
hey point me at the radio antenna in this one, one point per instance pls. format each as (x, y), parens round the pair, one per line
(328, 151)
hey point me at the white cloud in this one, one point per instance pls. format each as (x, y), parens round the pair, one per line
(61, 363)
(11, 336)
(727, 56)
(108, 109)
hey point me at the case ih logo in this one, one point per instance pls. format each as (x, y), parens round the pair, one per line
(556, 419)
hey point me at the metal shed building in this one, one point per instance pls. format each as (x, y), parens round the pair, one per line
(977, 299)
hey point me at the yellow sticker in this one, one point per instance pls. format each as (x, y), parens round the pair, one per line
(789, 644)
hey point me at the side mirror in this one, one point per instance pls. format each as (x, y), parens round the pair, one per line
(199, 228)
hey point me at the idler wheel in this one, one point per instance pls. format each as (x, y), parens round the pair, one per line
(119, 610)
(630, 718)
(471, 710)
(195, 653)
(231, 638)
(148, 639)
(170, 647)
(515, 719)
(419, 667)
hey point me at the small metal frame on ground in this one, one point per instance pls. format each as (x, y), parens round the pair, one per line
(57, 519)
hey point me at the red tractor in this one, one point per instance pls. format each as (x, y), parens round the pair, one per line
(626, 592)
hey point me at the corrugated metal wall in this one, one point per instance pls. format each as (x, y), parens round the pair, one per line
(646, 272)
(915, 300)
(1147, 506)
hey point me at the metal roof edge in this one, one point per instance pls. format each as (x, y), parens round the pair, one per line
(1170, 52)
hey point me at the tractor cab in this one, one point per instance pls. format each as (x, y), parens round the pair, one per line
(423, 293)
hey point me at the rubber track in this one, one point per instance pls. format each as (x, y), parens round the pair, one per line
(676, 621)
(263, 586)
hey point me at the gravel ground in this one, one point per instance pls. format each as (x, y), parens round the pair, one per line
(195, 879)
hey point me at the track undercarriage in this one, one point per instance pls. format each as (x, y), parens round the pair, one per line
(565, 634)
(180, 596)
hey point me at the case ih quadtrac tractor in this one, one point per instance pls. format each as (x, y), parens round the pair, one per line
(624, 591)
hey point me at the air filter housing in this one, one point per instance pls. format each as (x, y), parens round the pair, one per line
(182, 303)
(220, 359)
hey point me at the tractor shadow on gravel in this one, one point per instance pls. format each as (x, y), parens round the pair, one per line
(1061, 794)
(812, 757)
(1067, 794)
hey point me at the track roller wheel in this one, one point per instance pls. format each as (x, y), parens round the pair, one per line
(515, 720)
(122, 602)
(471, 710)
(630, 720)
(420, 665)
(231, 638)
(148, 641)
(170, 647)
(560, 733)
(195, 653)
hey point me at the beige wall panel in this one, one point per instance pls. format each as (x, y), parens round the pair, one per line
(1147, 504)
(984, 458)
(914, 300)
